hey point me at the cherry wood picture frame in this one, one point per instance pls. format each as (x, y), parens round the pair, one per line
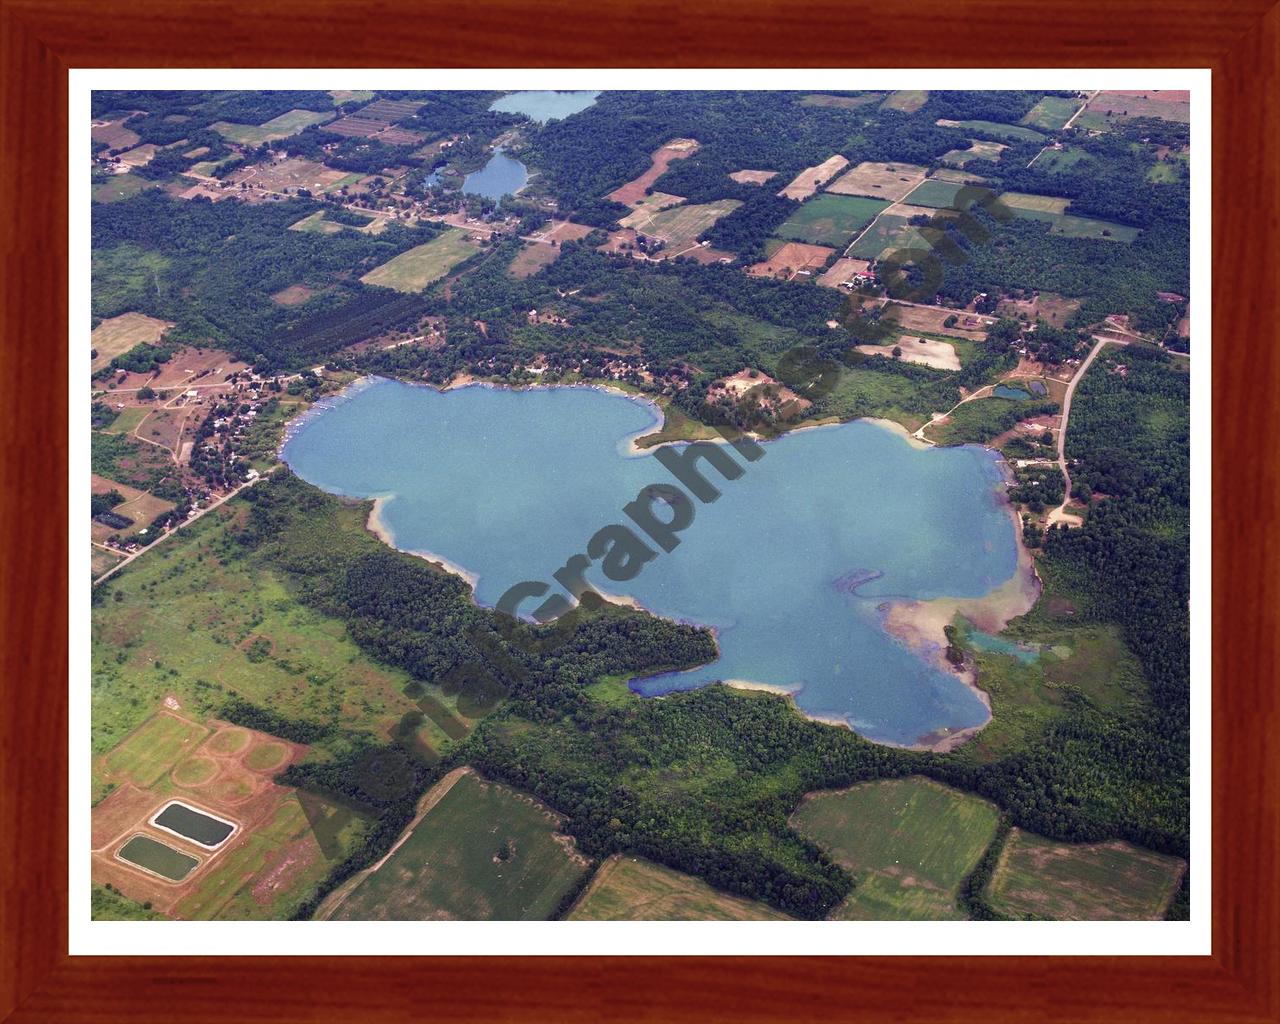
(41, 39)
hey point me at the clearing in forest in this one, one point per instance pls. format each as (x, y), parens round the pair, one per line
(416, 268)
(908, 842)
(119, 334)
(482, 852)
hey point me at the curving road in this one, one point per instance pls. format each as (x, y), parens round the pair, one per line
(1060, 514)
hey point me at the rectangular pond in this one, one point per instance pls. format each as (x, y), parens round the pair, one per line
(156, 858)
(197, 826)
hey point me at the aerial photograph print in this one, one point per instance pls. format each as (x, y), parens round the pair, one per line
(656, 505)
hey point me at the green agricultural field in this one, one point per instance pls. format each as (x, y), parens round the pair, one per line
(1087, 227)
(1051, 113)
(937, 194)
(1043, 879)
(189, 616)
(281, 127)
(121, 186)
(889, 231)
(631, 889)
(128, 420)
(482, 853)
(1000, 131)
(416, 268)
(831, 219)
(908, 842)
(151, 750)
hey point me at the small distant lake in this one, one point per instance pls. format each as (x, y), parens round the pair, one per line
(501, 176)
(790, 565)
(1004, 391)
(544, 105)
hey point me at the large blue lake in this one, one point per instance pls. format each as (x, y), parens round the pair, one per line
(543, 105)
(509, 484)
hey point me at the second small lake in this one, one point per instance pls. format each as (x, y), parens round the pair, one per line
(544, 105)
(501, 176)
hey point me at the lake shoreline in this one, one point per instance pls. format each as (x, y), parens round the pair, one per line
(920, 625)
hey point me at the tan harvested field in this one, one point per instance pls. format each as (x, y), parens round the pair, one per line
(165, 427)
(631, 889)
(294, 295)
(880, 180)
(932, 319)
(1169, 104)
(118, 335)
(144, 509)
(191, 154)
(806, 183)
(561, 231)
(978, 151)
(679, 226)
(139, 155)
(906, 100)
(1034, 203)
(534, 256)
(937, 354)
(843, 271)
(1114, 881)
(747, 177)
(634, 190)
(790, 259)
(390, 111)
(115, 134)
(1046, 306)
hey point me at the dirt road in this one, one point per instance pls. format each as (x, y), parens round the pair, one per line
(1060, 514)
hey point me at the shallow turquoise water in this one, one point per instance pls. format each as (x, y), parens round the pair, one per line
(1017, 394)
(541, 105)
(501, 176)
(509, 484)
(999, 645)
